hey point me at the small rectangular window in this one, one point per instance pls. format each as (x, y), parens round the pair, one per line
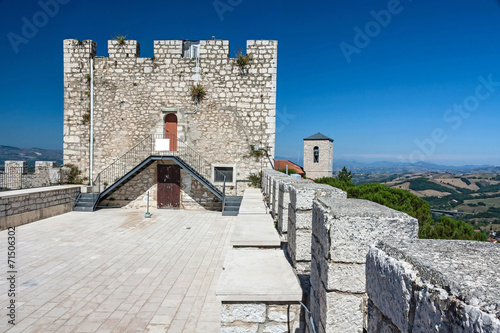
(191, 49)
(220, 172)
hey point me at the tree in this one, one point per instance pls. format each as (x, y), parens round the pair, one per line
(344, 175)
(405, 201)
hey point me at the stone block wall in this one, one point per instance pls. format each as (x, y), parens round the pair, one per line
(433, 286)
(257, 317)
(21, 207)
(132, 93)
(16, 175)
(284, 201)
(343, 230)
(400, 285)
(300, 224)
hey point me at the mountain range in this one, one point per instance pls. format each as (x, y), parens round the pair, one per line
(398, 167)
(8, 153)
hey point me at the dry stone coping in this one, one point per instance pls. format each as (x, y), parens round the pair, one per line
(464, 268)
(258, 275)
(256, 230)
(355, 224)
(8, 194)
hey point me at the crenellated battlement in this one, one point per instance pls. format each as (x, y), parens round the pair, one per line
(171, 49)
(125, 49)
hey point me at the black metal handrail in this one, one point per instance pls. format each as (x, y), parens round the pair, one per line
(157, 145)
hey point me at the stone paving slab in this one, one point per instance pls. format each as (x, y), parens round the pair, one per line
(258, 275)
(255, 230)
(115, 271)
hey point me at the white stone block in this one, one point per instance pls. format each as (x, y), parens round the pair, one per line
(247, 312)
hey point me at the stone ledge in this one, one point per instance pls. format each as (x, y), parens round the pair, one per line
(264, 275)
(15, 193)
(255, 230)
(460, 267)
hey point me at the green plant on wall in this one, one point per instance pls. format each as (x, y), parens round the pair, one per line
(74, 174)
(198, 92)
(255, 179)
(85, 118)
(242, 60)
(121, 39)
(256, 153)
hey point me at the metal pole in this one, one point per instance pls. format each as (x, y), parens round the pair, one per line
(91, 119)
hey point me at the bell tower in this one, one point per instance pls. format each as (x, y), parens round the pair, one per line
(318, 156)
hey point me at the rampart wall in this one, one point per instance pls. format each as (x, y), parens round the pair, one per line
(363, 269)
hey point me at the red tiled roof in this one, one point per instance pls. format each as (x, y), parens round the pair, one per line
(281, 164)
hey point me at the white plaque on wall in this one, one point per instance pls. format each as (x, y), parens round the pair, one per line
(162, 145)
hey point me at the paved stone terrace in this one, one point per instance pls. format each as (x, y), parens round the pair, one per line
(115, 271)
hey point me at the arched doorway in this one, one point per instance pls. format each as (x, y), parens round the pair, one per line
(170, 130)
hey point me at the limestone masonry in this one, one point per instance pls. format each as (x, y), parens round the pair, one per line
(133, 97)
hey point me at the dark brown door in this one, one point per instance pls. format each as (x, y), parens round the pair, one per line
(169, 186)
(171, 130)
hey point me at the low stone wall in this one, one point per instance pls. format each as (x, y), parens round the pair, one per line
(47, 173)
(300, 224)
(257, 317)
(343, 230)
(433, 286)
(25, 206)
(284, 201)
(401, 285)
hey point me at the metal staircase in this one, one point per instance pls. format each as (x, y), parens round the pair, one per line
(231, 206)
(153, 147)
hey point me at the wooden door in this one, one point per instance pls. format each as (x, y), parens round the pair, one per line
(171, 130)
(169, 186)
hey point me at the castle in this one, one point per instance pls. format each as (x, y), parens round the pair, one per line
(191, 101)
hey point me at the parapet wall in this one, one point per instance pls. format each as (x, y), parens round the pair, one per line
(25, 206)
(433, 285)
(370, 273)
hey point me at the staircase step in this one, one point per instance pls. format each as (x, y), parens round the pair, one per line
(83, 209)
(232, 208)
(84, 204)
(229, 213)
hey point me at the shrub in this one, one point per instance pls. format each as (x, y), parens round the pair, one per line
(198, 92)
(290, 171)
(255, 179)
(74, 174)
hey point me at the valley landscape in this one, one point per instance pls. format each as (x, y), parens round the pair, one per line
(471, 197)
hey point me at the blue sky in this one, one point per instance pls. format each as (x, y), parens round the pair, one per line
(387, 80)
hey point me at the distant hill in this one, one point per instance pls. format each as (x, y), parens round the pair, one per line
(8, 153)
(389, 167)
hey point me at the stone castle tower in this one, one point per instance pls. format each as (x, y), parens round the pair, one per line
(318, 156)
(135, 97)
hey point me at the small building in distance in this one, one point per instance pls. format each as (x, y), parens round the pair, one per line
(282, 164)
(318, 156)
